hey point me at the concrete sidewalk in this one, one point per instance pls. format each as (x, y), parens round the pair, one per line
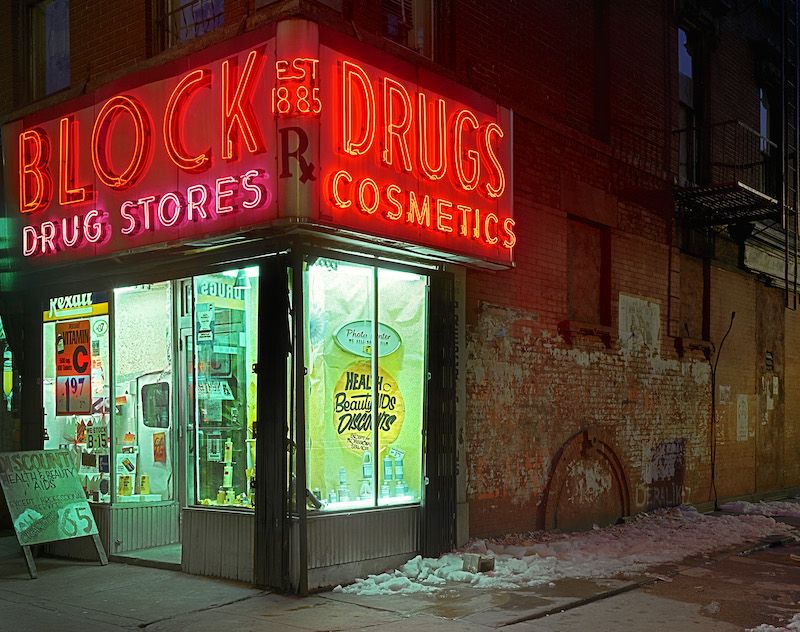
(79, 596)
(83, 596)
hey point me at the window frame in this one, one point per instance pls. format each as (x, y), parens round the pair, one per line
(32, 63)
(301, 390)
(417, 8)
(166, 30)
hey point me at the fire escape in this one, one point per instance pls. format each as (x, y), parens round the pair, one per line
(731, 175)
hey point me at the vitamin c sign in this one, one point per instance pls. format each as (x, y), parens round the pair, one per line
(297, 122)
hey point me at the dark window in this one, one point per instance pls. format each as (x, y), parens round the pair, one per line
(410, 23)
(155, 405)
(687, 123)
(178, 21)
(763, 121)
(694, 298)
(48, 47)
(768, 134)
(589, 272)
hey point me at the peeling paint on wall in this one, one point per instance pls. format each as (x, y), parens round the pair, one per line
(589, 481)
(639, 324)
(528, 392)
(742, 415)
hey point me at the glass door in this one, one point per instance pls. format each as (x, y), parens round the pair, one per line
(143, 464)
(187, 455)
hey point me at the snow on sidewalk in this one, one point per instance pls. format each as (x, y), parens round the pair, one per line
(791, 626)
(783, 508)
(664, 535)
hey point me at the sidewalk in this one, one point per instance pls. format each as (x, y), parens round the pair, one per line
(79, 596)
(719, 593)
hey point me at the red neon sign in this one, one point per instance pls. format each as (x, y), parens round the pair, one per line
(328, 138)
(237, 108)
(107, 118)
(177, 104)
(35, 183)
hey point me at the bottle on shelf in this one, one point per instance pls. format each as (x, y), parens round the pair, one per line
(400, 486)
(228, 453)
(344, 488)
(366, 465)
(388, 476)
(366, 476)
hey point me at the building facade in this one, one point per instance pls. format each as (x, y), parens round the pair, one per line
(571, 227)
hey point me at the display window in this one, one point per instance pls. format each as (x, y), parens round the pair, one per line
(76, 386)
(225, 352)
(144, 424)
(360, 455)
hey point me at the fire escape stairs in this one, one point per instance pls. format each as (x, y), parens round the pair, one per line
(739, 188)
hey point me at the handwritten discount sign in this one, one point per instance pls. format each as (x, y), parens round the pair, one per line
(44, 496)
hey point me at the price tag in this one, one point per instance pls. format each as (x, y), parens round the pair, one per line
(97, 438)
(73, 395)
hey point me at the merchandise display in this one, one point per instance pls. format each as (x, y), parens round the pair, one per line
(225, 334)
(75, 391)
(350, 466)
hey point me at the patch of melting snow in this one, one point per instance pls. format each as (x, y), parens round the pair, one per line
(764, 508)
(524, 560)
(791, 626)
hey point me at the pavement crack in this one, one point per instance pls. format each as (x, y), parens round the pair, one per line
(583, 602)
(206, 609)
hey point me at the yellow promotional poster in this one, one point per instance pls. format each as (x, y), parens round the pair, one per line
(343, 458)
(352, 407)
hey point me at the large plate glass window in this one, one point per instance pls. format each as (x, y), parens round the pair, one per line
(360, 455)
(76, 386)
(226, 350)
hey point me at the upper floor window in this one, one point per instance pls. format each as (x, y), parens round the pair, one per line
(410, 23)
(589, 272)
(764, 120)
(687, 123)
(685, 70)
(181, 20)
(48, 41)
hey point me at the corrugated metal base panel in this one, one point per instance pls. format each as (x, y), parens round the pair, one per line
(135, 527)
(325, 578)
(218, 543)
(367, 541)
(83, 548)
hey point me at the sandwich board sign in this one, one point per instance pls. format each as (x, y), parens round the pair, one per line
(46, 500)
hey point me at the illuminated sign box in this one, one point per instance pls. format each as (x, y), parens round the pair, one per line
(293, 122)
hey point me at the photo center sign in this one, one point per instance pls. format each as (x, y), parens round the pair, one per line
(292, 122)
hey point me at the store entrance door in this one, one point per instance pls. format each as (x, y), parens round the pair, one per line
(147, 461)
(186, 417)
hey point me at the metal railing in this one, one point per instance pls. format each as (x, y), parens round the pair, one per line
(726, 153)
(176, 21)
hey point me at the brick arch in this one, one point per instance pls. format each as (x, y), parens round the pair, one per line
(564, 506)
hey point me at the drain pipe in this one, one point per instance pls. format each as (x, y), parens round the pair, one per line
(713, 438)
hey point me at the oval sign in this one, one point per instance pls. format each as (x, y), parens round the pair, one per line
(356, 338)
